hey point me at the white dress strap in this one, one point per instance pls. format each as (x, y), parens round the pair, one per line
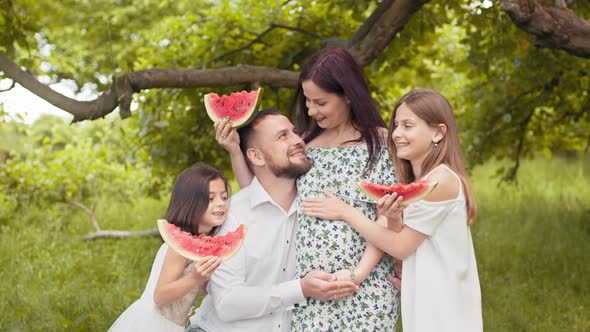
(452, 172)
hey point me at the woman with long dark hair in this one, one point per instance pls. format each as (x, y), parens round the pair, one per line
(345, 138)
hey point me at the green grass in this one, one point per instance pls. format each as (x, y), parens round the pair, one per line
(532, 243)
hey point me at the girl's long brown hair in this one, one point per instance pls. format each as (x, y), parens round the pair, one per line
(434, 109)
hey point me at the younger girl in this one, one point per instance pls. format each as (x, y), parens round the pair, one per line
(198, 205)
(440, 286)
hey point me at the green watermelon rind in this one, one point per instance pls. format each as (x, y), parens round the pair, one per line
(365, 187)
(245, 119)
(166, 228)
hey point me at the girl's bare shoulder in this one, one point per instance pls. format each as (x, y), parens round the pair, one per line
(447, 187)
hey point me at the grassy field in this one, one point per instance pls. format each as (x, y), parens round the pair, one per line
(532, 243)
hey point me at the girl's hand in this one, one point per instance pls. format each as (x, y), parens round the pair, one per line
(226, 136)
(343, 275)
(329, 207)
(203, 268)
(390, 207)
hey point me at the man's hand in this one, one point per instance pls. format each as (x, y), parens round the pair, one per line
(324, 286)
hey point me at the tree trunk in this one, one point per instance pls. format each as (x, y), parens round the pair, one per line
(553, 27)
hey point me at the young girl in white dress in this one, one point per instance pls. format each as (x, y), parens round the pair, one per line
(198, 205)
(440, 285)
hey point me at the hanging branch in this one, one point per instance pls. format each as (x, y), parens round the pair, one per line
(100, 233)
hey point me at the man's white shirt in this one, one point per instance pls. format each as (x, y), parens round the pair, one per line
(257, 288)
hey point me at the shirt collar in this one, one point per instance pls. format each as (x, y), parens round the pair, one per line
(258, 196)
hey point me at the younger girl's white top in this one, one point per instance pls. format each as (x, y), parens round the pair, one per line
(440, 285)
(145, 316)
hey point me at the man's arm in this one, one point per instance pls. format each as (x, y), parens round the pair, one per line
(234, 300)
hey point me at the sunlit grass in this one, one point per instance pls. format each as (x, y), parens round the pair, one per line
(532, 243)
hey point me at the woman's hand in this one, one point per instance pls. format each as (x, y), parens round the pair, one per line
(329, 207)
(203, 268)
(226, 136)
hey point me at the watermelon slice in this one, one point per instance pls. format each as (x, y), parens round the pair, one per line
(239, 106)
(411, 192)
(197, 247)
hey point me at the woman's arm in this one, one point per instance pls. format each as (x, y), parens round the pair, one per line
(230, 140)
(173, 285)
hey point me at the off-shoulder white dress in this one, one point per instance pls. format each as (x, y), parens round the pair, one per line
(440, 287)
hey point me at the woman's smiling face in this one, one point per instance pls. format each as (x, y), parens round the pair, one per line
(329, 109)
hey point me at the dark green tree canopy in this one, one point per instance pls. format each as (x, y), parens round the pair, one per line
(516, 71)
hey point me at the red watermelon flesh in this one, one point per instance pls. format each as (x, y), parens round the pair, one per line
(238, 106)
(411, 192)
(197, 247)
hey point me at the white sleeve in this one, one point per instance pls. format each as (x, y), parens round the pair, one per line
(235, 300)
(425, 217)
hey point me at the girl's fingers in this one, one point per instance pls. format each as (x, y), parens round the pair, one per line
(210, 268)
(391, 199)
(382, 200)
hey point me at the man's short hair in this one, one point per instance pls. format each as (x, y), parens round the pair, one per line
(247, 132)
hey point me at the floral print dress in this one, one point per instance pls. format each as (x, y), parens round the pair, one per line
(334, 245)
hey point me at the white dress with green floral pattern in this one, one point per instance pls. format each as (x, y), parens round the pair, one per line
(334, 245)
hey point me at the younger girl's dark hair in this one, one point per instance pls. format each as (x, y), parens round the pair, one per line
(334, 70)
(190, 197)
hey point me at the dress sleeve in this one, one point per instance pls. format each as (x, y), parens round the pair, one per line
(425, 217)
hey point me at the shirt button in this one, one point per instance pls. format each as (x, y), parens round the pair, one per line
(283, 269)
(287, 241)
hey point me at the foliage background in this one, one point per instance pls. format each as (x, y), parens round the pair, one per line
(518, 107)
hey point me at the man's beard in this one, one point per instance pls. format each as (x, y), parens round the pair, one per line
(289, 171)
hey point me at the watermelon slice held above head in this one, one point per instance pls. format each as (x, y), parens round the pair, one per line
(197, 247)
(411, 192)
(239, 106)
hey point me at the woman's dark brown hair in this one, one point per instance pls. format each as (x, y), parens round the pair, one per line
(334, 70)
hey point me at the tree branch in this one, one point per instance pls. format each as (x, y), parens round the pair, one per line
(376, 33)
(553, 27)
(89, 212)
(258, 39)
(387, 20)
(100, 234)
(121, 90)
(120, 234)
